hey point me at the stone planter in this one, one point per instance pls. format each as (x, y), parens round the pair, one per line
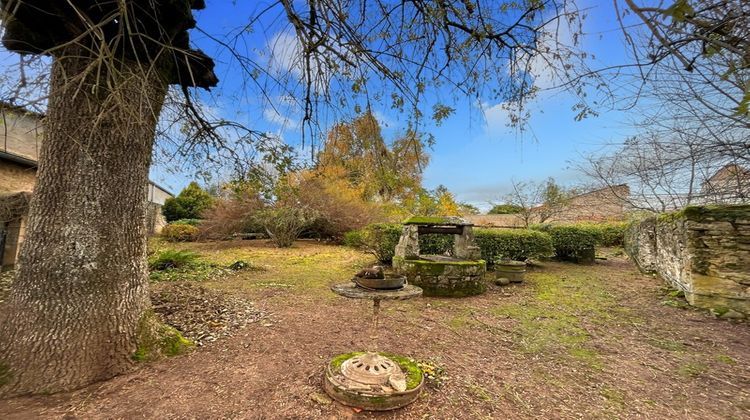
(511, 270)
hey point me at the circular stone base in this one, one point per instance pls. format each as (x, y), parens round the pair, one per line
(370, 399)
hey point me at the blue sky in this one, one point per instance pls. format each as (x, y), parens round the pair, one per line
(476, 156)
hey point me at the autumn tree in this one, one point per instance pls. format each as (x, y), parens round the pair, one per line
(357, 151)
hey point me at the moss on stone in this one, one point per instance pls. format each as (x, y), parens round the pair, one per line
(714, 212)
(465, 289)
(435, 220)
(156, 340)
(408, 366)
(339, 360)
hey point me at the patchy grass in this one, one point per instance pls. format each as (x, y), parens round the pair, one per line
(168, 262)
(667, 344)
(570, 342)
(723, 358)
(556, 317)
(692, 369)
(308, 268)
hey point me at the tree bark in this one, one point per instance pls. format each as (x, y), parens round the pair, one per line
(81, 286)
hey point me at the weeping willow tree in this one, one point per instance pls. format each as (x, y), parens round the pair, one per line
(80, 292)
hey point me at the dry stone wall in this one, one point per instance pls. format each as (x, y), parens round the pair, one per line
(702, 251)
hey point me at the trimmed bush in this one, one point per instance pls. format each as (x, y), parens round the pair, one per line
(513, 244)
(612, 234)
(380, 240)
(179, 233)
(576, 243)
(354, 238)
(435, 244)
(607, 234)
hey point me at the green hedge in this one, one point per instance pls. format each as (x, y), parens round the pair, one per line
(575, 243)
(380, 239)
(607, 234)
(514, 244)
(612, 234)
(435, 244)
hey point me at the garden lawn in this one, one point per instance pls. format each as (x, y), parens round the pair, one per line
(601, 341)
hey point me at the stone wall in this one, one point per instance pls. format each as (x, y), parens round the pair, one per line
(702, 251)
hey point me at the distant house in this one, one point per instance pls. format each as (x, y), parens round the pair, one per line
(602, 205)
(729, 185)
(20, 142)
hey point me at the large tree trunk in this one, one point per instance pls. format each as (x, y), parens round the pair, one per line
(81, 287)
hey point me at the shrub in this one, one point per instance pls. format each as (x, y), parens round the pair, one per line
(612, 234)
(513, 244)
(380, 240)
(354, 238)
(179, 233)
(607, 234)
(338, 207)
(189, 203)
(575, 243)
(284, 224)
(191, 222)
(171, 258)
(435, 244)
(228, 216)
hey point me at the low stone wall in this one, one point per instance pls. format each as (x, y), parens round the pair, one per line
(702, 251)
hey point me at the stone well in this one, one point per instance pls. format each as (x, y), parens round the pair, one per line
(457, 275)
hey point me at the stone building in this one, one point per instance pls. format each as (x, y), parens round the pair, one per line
(20, 142)
(729, 185)
(602, 205)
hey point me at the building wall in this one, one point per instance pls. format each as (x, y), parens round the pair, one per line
(20, 132)
(157, 194)
(596, 206)
(14, 234)
(15, 177)
(603, 205)
(496, 220)
(702, 251)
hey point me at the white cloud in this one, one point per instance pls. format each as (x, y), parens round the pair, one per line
(496, 117)
(272, 115)
(285, 54)
(384, 120)
(551, 43)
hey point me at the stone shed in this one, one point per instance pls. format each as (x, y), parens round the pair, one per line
(703, 251)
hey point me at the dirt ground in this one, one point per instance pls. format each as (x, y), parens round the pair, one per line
(599, 341)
